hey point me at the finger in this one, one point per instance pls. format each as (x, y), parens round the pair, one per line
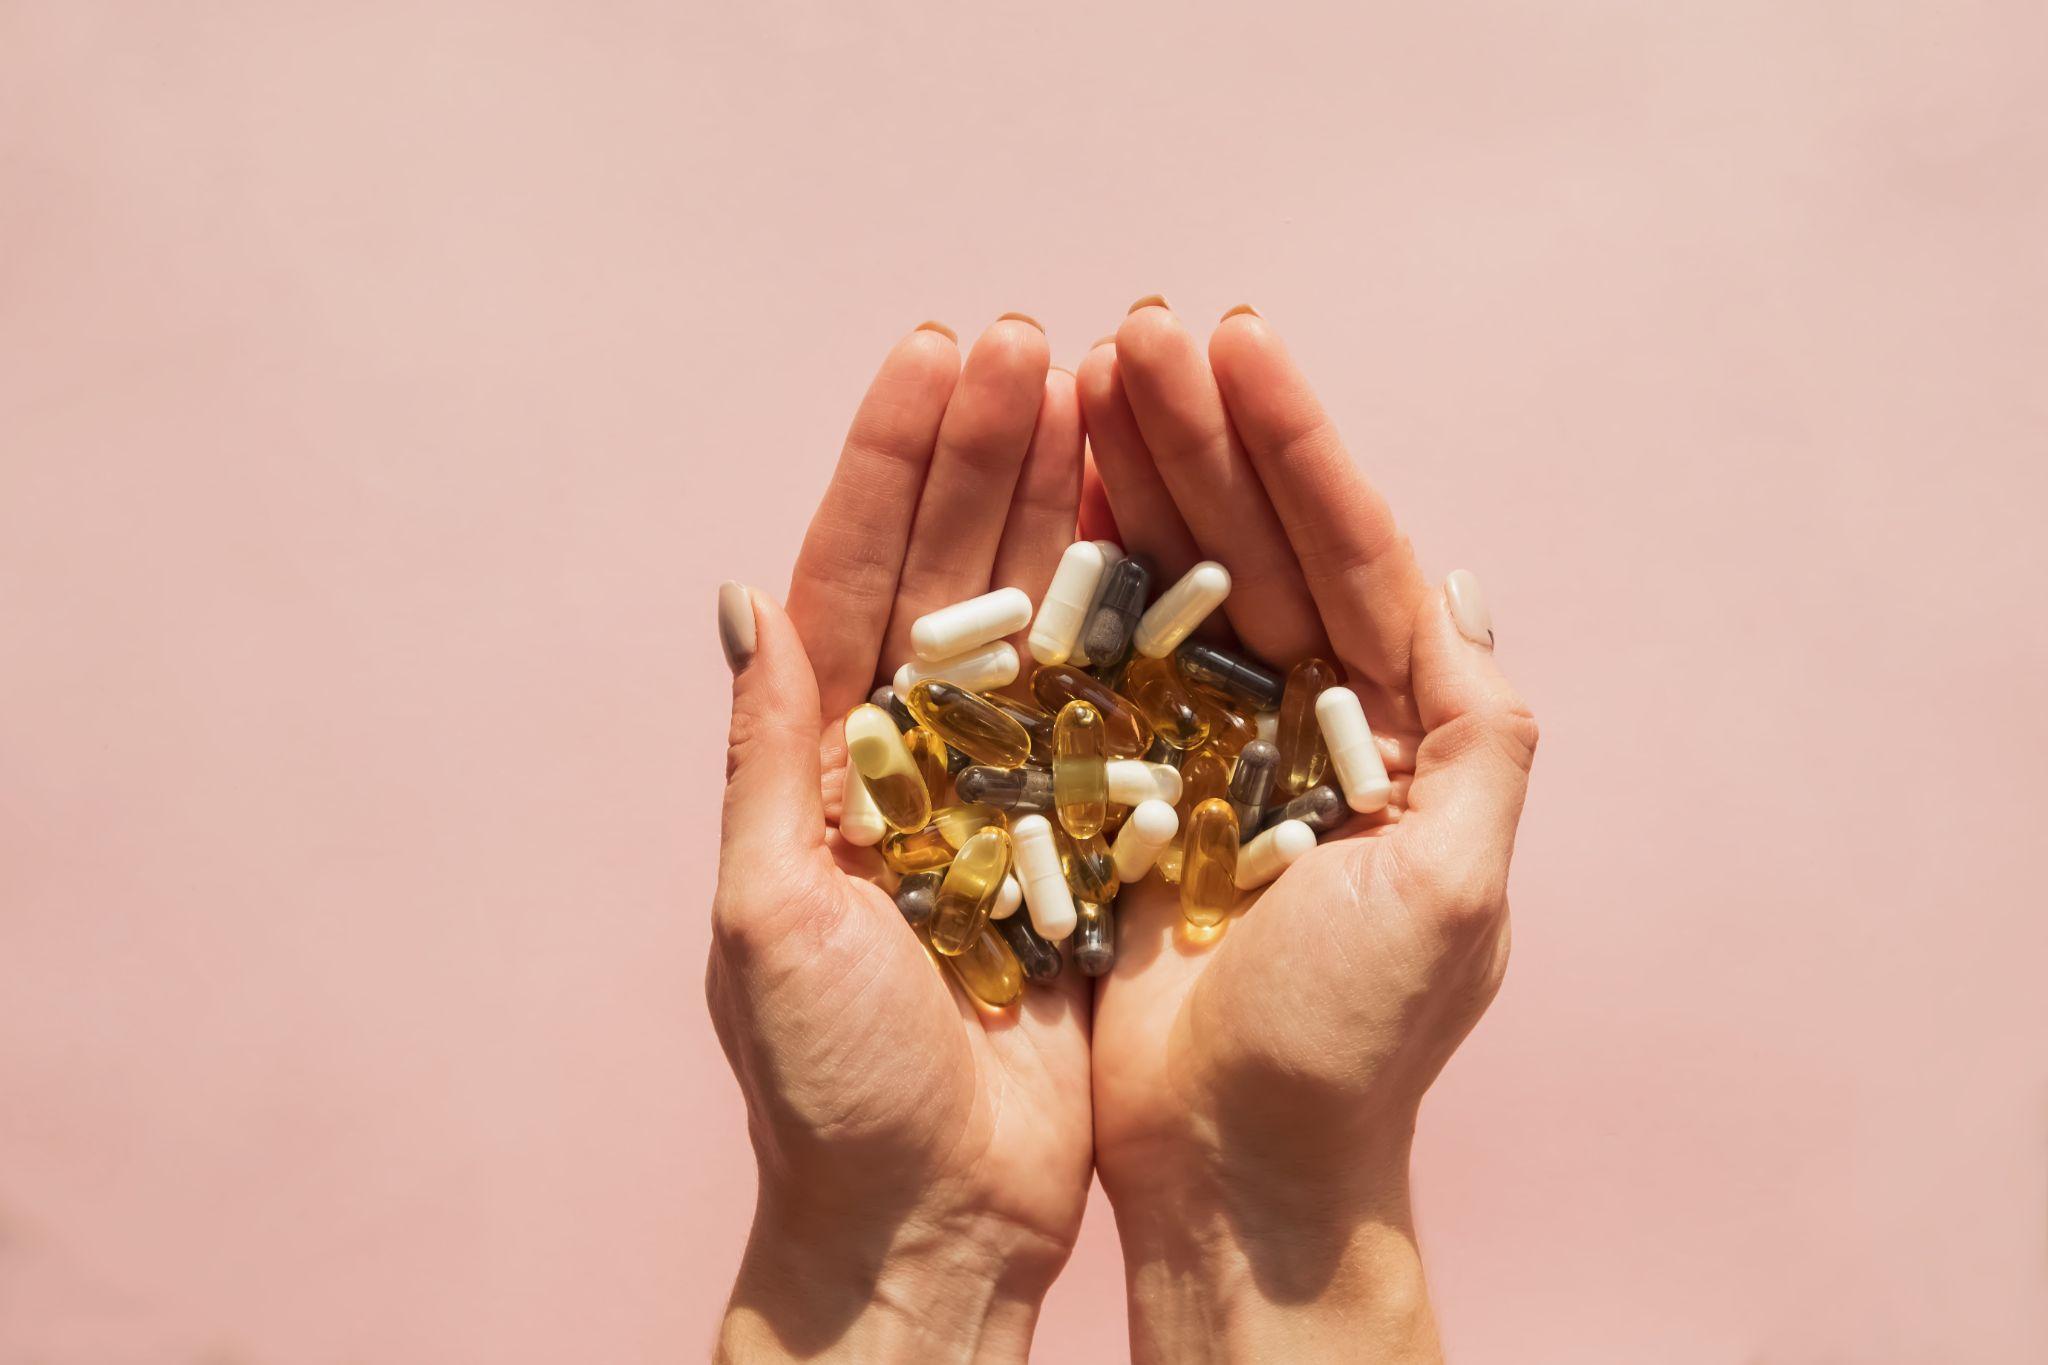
(1046, 508)
(1141, 506)
(1097, 521)
(966, 498)
(844, 584)
(1358, 564)
(774, 814)
(1180, 413)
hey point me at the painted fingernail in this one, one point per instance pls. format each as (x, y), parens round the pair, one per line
(1467, 601)
(1022, 317)
(941, 328)
(1150, 301)
(1241, 308)
(736, 624)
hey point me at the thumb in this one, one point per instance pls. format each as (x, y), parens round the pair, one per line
(773, 810)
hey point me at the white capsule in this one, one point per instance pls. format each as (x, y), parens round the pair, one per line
(1132, 780)
(1037, 861)
(1066, 602)
(1268, 725)
(984, 670)
(952, 631)
(1181, 608)
(860, 819)
(1272, 853)
(1008, 897)
(1111, 553)
(1146, 831)
(1360, 770)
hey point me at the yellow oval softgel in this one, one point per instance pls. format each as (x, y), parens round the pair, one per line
(1057, 684)
(928, 752)
(988, 970)
(1304, 757)
(921, 850)
(1156, 688)
(969, 891)
(1088, 865)
(978, 728)
(1208, 879)
(1080, 768)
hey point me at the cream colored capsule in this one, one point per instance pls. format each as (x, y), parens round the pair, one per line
(860, 819)
(1045, 885)
(1360, 771)
(890, 774)
(1272, 853)
(1111, 553)
(984, 670)
(1181, 608)
(1148, 830)
(954, 630)
(1066, 602)
(1008, 897)
(1132, 780)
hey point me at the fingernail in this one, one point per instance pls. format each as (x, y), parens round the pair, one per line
(1467, 601)
(1022, 317)
(1241, 308)
(736, 624)
(941, 328)
(1109, 340)
(1150, 301)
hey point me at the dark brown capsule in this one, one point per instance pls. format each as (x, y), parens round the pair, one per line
(1039, 957)
(1106, 637)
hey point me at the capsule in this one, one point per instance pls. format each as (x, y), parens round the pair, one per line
(1039, 958)
(954, 630)
(1132, 780)
(1114, 618)
(1208, 879)
(1111, 553)
(1303, 757)
(1027, 790)
(1181, 608)
(1360, 770)
(1080, 782)
(1064, 609)
(984, 670)
(1252, 783)
(1057, 684)
(1095, 939)
(1229, 676)
(1162, 752)
(917, 850)
(988, 970)
(968, 893)
(1321, 808)
(917, 896)
(1206, 774)
(1009, 898)
(1088, 866)
(983, 731)
(1272, 853)
(886, 698)
(1138, 844)
(1037, 724)
(1229, 728)
(1037, 859)
(883, 760)
(860, 820)
(1154, 686)
(934, 761)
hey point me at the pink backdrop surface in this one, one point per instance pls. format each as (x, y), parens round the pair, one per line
(384, 389)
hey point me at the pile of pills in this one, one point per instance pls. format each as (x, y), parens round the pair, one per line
(1139, 752)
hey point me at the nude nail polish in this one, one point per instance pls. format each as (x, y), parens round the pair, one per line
(1151, 301)
(736, 624)
(1467, 601)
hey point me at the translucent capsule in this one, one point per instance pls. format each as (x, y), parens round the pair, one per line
(1024, 790)
(1208, 879)
(1064, 609)
(1162, 752)
(1106, 638)
(1303, 757)
(1046, 895)
(1361, 772)
(1080, 781)
(1036, 721)
(917, 850)
(1132, 780)
(968, 893)
(917, 896)
(876, 747)
(1170, 859)
(983, 670)
(988, 970)
(886, 698)
(1204, 775)
(954, 630)
(1181, 608)
(1009, 898)
(860, 821)
(1230, 676)
(1272, 853)
(1252, 783)
(957, 824)
(1057, 684)
(1095, 939)
(1039, 958)
(1155, 687)
(1088, 866)
(980, 729)
(1321, 808)
(1229, 728)
(1111, 553)
(1144, 836)
(933, 760)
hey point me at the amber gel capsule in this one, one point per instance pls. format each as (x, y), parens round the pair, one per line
(1088, 865)
(980, 729)
(1080, 777)
(1303, 756)
(1156, 689)
(1037, 723)
(1057, 684)
(921, 850)
(917, 896)
(934, 761)
(988, 970)
(1039, 958)
(1230, 676)
(1229, 728)
(1095, 939)
(1208, 879)
(1252, 782)
(1205, 774)
(968, 893)
(1025, 791)
(876, 747)
(860, 824)
(1106, 638)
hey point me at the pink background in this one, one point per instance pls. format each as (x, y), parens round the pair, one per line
(384, 387)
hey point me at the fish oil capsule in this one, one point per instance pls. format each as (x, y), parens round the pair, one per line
(917, 896)
(1009, 898)
(1023, 790)
(1132, 780)
(1046, 895)
(1272, 853)
(886, 698)
(1162, 752)
(1039, 957)
(983, 731)
(1208, 879)
(917, 850)
(953, 630)
(1036, 721)
(1252, 783)
(1229, 728)
(1230, 676)
(1080, 781)
(1321, 808)
(1206, 774)
(1054, 685)
(1181, 608)
(957, 824)
(1064, 609)
(1154, 686)
(1143, 837)
(1095, 939)
(983, 670)
(1360, 770)
(988, 971)
(934, 761)
(1303, 757)
(969, 891)
(1114, 619)
(883, 760)
(1087, 864)
(860, 820)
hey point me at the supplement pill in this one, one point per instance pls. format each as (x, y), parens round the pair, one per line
(883, 760)
(1252, 783)
(917, 896)
(1114, 619)
(1132, 780)
(1181, 608)
(1067, 599)
(1037, 859)
(1272, 853)
(1095, 939)
(860, 821)
(1360, 770)
(1039, 958)
(1080, 783)
(969, 890)
(956, 629)
(1230, 676)
(1303, 757)
(1025, 790)
(984, 670)
(988, 971)
(1138, 844)
(1321, 808)
(978, 728)
(1208, 878)
(1007, 899)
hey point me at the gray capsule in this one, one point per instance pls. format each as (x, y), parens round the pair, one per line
(917, 896)
(1230, 676)
(1162, 752)
(1321, 808)
(1037, 955)
(1095, 939)
(886, 698)
(1022, 791)
(1107, 636)
(1252, 784)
